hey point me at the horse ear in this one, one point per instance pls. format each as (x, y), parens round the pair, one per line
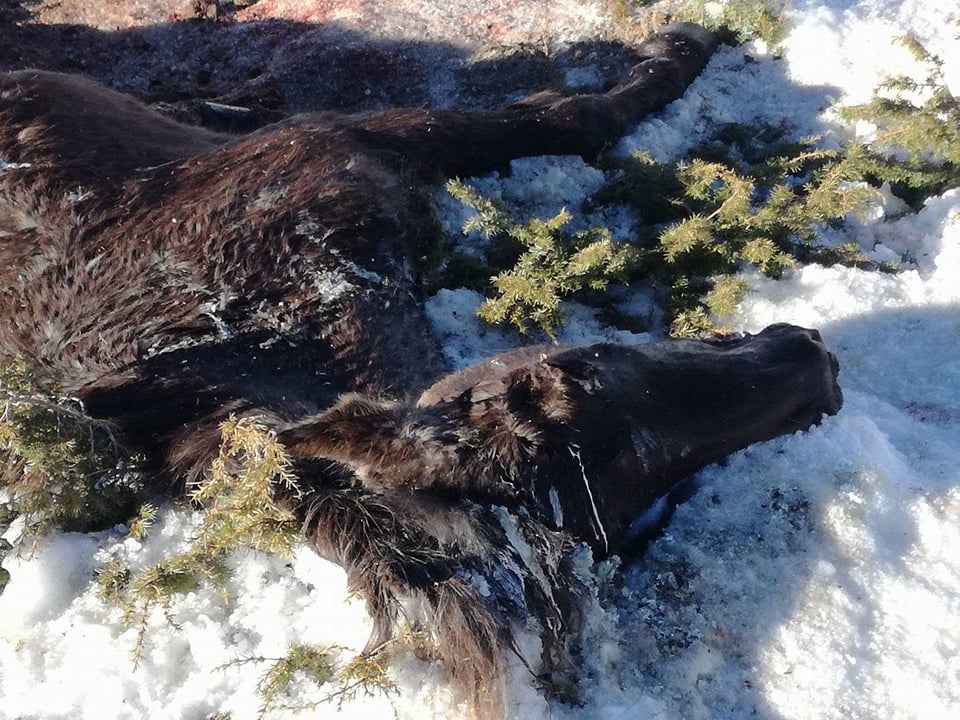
(490, 388)
(542, 390)
(537, 390)
(348, 432)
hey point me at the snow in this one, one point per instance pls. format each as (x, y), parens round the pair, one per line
(812, 576)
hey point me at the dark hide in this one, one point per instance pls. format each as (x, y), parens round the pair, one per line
(586, 438)
(168, 276)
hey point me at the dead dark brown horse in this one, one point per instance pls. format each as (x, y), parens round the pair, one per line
(169, 276)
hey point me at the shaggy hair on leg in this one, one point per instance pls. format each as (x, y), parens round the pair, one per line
(464, 572)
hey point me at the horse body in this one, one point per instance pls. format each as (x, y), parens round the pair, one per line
(169, 276)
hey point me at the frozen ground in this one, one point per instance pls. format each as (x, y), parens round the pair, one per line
(813, 576)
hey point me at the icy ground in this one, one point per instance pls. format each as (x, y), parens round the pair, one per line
(813, 576)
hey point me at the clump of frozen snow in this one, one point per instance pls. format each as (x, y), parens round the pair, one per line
(852, 46)
(65, 652)
(61, 569)
(740, 85)
(537, 187)
(467, 340)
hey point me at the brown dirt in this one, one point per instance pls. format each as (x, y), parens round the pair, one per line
(278, 57)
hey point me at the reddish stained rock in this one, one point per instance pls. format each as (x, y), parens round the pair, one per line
(113, 14)
(465, 22)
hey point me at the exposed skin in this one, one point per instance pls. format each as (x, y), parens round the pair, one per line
(169, 276)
